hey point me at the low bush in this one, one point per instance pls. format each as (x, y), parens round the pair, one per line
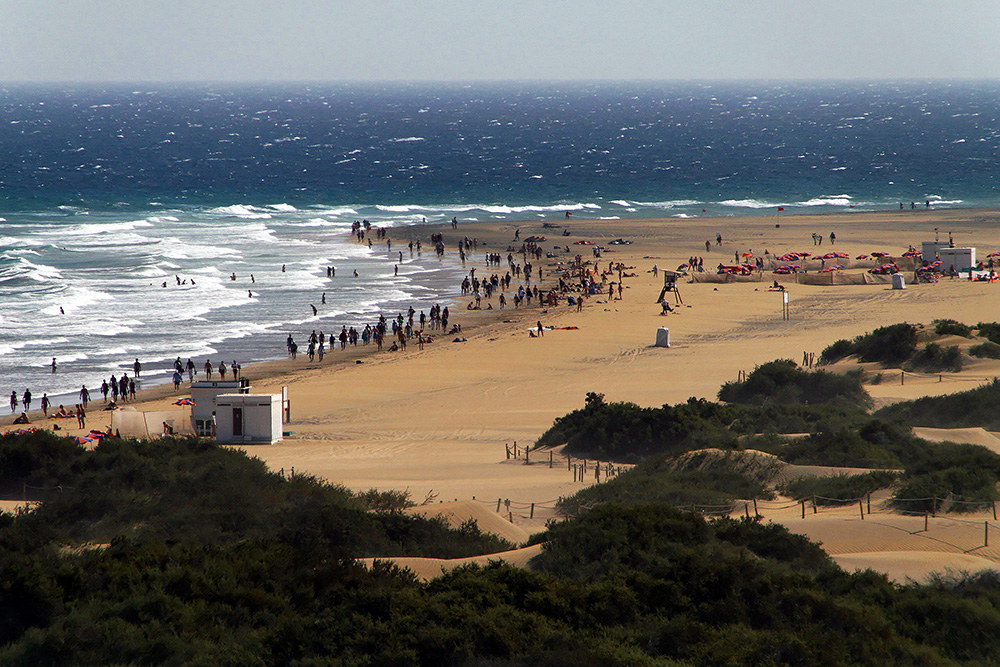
(838, 488)
(783, 382)
(990, 331)
(890, 346)
(934, 358)
(987, 350)
(976, 407)
(947, 327)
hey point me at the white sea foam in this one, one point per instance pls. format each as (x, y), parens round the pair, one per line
(673, 203)
(404, 140)
(75, 299)
(827, 200)
(242, 211)
(335, 210)
(283, 208)
(748, 203)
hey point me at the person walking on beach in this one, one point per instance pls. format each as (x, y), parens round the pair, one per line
(541, 330)
(208, 368)
(81, 416)
(26, 400)
(54, 367)
(45, 404)
(13, 401)
(222, 370)
(190, 368)
(136, 368)
(84, 395)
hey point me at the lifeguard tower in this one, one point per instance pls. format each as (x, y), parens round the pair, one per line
(670, 285)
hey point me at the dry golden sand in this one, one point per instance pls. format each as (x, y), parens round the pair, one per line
(434, 422)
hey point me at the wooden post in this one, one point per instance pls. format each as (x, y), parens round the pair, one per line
(755, 512)
(498, 506)
(861, 507)
(531, 515)
(940, 378)
(550, 459)
(902, 377)
(926, 523)
(526, 455)
(746, 509)
(803, 505)
(814, 504)
(869, 503)
(282, 473)
(994, 510)
(507, 447)
(510, 517)
(569, 463)
(986, 533)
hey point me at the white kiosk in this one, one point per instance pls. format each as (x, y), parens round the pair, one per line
(248, 418)
(962, 259)
(204, 394)
(930, 250)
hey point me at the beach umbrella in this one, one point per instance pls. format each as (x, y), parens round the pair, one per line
(81, 440)
(185, 401)
(994, 254)
(748, 254)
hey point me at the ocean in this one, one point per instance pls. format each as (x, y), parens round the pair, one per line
(107, 193)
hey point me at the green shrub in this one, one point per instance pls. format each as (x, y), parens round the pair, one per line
(990, 331)
(783, 382)
(947, 327)
(987, 350)
(714, 480)
(890, 345)
(935, 358)
(838, 488)
(975, 407)
(836, 351)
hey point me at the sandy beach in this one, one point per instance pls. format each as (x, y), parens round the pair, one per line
(435, 422)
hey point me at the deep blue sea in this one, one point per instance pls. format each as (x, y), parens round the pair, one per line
(107, 192)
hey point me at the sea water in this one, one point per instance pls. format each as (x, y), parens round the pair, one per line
(107, 193)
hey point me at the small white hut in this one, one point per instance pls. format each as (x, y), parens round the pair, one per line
(204, 393)
(248, 418)
(963, 259)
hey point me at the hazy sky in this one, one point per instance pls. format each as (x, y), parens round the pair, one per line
(263, 40)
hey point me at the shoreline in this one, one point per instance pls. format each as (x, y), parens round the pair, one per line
(477, 323)
(423, 231)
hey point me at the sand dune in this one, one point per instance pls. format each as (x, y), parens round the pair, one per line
(428, 568)
(458, 512)
(907, 566)
(972, 436)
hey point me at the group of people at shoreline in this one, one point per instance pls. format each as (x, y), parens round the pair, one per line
(519, 285)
